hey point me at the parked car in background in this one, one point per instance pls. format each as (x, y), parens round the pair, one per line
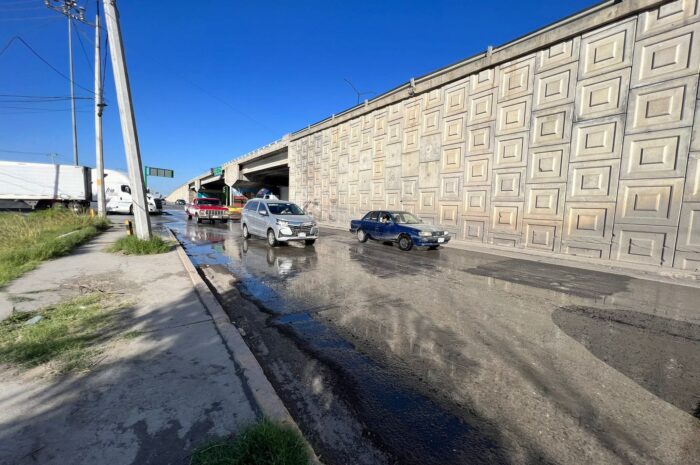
(180, 202)
(205, 208)
(278, 221)
(403, 228)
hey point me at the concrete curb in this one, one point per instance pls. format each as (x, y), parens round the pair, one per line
(264, 393)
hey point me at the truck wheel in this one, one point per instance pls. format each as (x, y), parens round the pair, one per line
(131, 209)
(224, 221)
(199, 220)
(246, 234)
(309, 241)
(361, 236)
(189, 217)
(405, 243)
(271, 239)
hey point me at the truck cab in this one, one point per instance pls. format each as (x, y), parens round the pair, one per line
(118, 194)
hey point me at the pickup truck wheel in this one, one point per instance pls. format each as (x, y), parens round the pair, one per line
(405, 243)
(309, 241)
(271, 239)
(189, 217)
(361, 236)
(246, 234)
(131, 210)
(224, 221)
(199, 220)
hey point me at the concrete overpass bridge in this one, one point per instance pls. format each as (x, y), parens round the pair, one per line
(266, 166)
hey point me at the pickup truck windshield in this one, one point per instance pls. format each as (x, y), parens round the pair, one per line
(208, 202)
(405, 218)
(284, 209)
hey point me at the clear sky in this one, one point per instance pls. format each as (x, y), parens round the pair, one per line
(212, 80)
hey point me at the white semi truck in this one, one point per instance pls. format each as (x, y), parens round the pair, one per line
(118, 193)
(41, 185)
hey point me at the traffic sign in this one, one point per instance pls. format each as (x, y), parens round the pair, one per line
(160, 172)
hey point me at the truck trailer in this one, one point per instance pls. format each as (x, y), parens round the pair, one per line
(41, 185)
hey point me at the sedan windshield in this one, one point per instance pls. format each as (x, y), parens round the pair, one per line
(405, 218)
(284, 209)
(208, 202)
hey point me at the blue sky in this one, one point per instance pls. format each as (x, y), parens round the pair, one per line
(214, 80)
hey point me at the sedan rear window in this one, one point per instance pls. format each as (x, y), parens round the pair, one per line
(285, 208)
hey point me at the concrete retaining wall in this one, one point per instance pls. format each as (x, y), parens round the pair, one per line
(583, 147)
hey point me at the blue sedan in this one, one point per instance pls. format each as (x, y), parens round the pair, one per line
(403, 228)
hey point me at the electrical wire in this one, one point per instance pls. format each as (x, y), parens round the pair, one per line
(48, 97)
(23, 42)
(82, 46)
(25, 18)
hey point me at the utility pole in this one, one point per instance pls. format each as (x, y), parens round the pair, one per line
(71, 10)
(99, 105)
(128, 121)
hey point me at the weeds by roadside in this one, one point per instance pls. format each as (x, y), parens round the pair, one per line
(132, 245)
(263, 443)
(27, 240)
(66, 337)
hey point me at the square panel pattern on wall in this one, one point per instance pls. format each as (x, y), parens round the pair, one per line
(588, 146)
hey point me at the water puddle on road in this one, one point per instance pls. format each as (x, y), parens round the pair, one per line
(406, 424)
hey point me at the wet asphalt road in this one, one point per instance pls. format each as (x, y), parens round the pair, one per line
(493, 359)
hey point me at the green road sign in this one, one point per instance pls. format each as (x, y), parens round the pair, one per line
(216, 171)
(160, 172)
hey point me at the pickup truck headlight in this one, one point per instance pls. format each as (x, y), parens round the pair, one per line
(425, 234)
(282, 223)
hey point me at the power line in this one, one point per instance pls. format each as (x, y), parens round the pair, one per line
(57, 97)
(25, 18)
(25, 8)
(23, 153)
(23, 42)
(82, 46)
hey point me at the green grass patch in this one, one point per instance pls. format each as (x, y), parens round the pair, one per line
(132, 245)
(132, 334)
(67, 337)
(27, 240)
(263, 443)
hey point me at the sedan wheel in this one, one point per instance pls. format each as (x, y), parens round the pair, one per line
(361, 236)
(246, 234)
(405, 243)
(271, 239)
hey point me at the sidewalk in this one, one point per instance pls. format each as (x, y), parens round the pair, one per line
(150, 399)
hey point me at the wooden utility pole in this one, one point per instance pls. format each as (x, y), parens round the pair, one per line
(128, 121)
(99, 105)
